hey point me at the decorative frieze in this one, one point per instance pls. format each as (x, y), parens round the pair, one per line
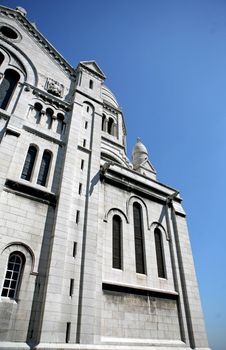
(54, 87)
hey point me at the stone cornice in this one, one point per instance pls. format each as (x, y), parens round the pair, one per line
(39, 38)
(43, 135)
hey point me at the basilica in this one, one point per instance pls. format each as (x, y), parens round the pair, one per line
(94, 250)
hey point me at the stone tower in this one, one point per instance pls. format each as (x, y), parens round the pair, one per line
(94, 251)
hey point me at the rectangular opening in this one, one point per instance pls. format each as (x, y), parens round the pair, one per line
(80, 189)
(71, 287)
(68, 332)
(84, 143)
(86, 124)
(82, 164)
(74, 249)
(77, 216)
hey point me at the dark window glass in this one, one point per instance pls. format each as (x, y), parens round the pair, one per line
(138, 233)
(8, 86)
(13, 275)
(116, 243)
(44, 168)
(103, 127)
(159, 253)
(29, 163)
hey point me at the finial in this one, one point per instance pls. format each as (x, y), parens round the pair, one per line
(138, 139)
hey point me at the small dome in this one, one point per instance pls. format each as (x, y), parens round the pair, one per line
(140, 153)
(108, 97)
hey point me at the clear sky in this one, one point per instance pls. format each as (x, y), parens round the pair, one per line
(165, 60)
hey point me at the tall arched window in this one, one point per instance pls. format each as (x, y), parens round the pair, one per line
(159, 253)
(13, 275)
(60, 123)
(29, 163)
(138, 236)
(110, 126)
(7, 87)
(44, 168)
(117, 242)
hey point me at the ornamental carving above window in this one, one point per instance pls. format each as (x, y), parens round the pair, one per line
(54, 88)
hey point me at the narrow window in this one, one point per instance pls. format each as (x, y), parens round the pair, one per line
(116, 243)
(44, 168)
(71, 287)
(74, 249)
(86, 124)
(138, 235)
(110, 126)
(103, 126)
(80, 189)
(87, 109)
(68, 332)
(49, 116)
(84, 143)
(91, 84)
(29, 163)
(8, 86)
(77, 216)
(60, 123)
(38, 112)
(159, 253)
(13, 275)
(82, 164)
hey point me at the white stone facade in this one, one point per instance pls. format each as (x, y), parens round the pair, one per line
(57, 220)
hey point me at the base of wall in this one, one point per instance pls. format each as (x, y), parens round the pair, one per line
(141, 344)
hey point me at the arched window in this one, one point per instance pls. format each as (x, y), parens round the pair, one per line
(8, 86)
(13, 275)
(38, 112)
(60, 123)
(1, 58)
(159, 253)
(44, 168)
(91, 84)
(110, 126)
(116, 242)
(138, 236)
(49, 115)
(29, 163)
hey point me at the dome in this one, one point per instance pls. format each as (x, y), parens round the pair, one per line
(140, 153)
(108, 97)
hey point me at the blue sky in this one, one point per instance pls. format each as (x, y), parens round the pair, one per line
(166, 63)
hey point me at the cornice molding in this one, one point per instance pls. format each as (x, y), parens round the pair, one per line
(39, 38)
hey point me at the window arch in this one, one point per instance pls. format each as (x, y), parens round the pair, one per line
(44, 168)
(138, 237)
(7, 87)
(29, 163)
(117, 242)
(110, 126)
(159, 253)
(13, 275)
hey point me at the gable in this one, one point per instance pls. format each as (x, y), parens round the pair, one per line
(93, 66)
